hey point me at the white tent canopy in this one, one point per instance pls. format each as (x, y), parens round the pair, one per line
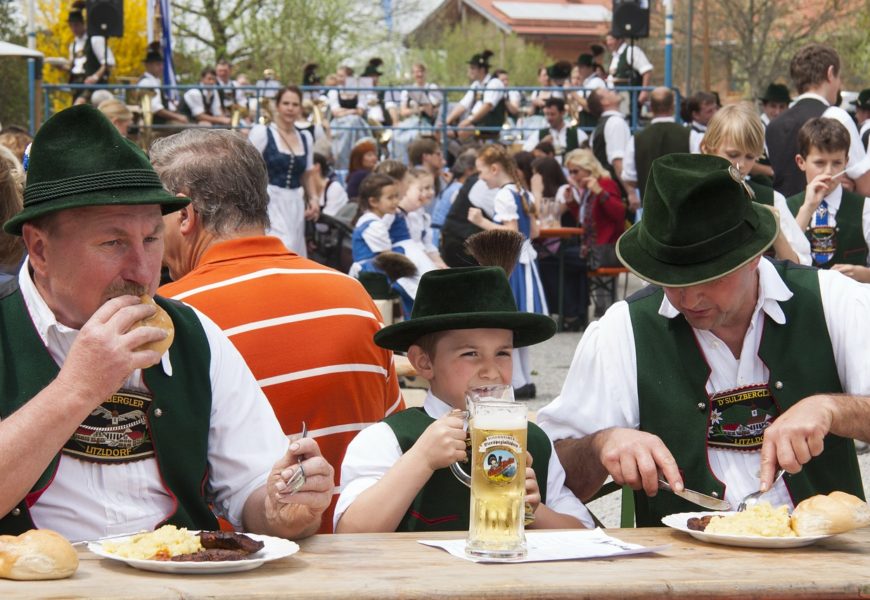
(7, 49)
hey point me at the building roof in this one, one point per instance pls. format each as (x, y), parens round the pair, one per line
(531, 17)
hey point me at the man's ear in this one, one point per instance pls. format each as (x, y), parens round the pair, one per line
(801, 163)
(34, 241)
(188, 220)
(421, 361)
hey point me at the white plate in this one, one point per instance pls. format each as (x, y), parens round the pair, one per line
(678, 521)
(274, 549)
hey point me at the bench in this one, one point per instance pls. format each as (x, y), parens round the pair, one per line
(607, 278)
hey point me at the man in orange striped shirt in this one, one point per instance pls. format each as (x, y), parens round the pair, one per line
(305, 330)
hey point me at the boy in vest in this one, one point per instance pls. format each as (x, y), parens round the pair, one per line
(729, 366)
(395, 475)
(836, 220)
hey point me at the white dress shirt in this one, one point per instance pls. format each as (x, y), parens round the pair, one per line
(88, 500)
(600, 390)
(616, 133)
(856, 166)
(492, 95)
(560, 139)
(375, 450)
(636, 58)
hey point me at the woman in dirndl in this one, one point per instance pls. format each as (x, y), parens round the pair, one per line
(288, 155)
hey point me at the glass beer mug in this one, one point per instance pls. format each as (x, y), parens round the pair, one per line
(498, 427)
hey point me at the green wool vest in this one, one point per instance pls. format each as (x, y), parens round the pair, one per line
(851, 245)
(672, 375)
(444, 502)
(571, 142)
(626, 74)
(495, 117)
(654, 141)
(179, 431)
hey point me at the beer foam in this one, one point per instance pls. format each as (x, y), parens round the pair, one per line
(499, 421)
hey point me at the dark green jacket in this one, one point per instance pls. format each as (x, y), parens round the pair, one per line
(673, 401)
(654, 141)
(444, 502)
(178, 418)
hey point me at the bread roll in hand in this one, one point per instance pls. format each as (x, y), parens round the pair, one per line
(161, 320)
(837, 512)
(37, 554)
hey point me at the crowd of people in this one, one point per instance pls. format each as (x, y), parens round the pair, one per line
(750, 223)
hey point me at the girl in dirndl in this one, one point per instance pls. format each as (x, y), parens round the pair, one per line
(288, 156)
(514, 209)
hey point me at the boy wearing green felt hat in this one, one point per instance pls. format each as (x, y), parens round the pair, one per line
(147, 436)
(728, 366)
(395, 475)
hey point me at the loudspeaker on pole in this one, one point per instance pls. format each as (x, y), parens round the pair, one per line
(631, 18)
(105, 18)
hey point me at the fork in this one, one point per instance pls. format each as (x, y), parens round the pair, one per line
(297, 480)
(752, 499)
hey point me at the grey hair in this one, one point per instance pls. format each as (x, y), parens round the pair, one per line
(222, 173)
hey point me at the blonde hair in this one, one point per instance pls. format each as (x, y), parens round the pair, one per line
(11, 191)
(585, 159)
(418, 172)
(115, 110)
(738, 124)
(496, 154)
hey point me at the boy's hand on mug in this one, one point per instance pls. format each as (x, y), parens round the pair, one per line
(442, 443)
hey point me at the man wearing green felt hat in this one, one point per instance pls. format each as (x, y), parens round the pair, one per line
(727, 367)
(395, 475)
(103, 430)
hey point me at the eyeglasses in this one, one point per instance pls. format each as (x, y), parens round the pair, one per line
(573, 171)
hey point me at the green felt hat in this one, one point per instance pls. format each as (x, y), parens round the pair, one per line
(863, 100)
(776, 92)
(78, 158)
(465, 298)
(699, 223)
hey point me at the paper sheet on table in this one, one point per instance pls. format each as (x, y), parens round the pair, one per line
(558, 545)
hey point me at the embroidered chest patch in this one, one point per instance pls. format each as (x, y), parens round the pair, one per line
(738, 418)
(115, 432)
(823, 243)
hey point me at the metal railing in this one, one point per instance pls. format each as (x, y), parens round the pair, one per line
(257, 94)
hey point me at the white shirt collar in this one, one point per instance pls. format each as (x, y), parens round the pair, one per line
(51, 331)
(435, 407)
(663, 120)
(771, 291)
(834, 198)
(814, 97)
(612, 113)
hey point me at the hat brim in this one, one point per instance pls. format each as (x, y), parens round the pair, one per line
(528, 328)
(112, 197)
(637, 260)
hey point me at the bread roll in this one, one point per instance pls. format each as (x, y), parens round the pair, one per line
(161, 320)
(837, 512)
(37, 554)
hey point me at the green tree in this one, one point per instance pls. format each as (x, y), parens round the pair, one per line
(853, 44)
(446, 60)
(14, 108)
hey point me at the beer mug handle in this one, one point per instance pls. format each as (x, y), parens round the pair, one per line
(458, 471)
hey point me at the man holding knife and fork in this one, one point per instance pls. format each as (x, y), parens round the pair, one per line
(727, 367)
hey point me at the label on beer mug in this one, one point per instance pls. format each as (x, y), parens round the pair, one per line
(500, 449)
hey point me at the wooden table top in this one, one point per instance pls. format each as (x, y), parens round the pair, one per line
(560, 232)
(394, 565)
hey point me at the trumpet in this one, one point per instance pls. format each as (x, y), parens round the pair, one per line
(239, 112)
(147, 119)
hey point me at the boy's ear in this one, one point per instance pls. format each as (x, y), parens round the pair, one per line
(421, 361)
(801, 163)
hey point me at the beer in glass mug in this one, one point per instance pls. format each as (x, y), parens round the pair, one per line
(498, 481)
